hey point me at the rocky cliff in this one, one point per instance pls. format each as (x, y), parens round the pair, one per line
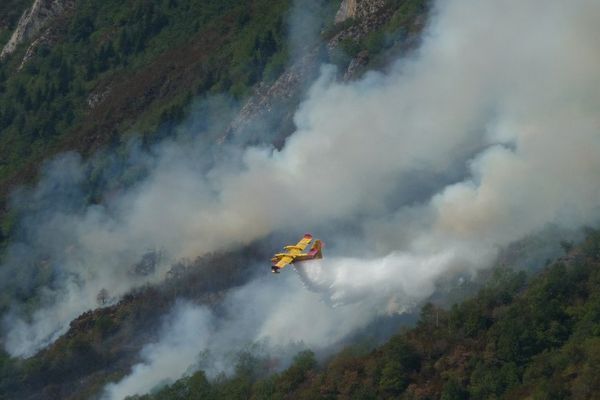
(260, 110)
(33, 21)
(357, 9)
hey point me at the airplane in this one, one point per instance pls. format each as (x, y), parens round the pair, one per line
(295, 254)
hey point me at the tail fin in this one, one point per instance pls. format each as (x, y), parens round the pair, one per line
(316, 249)
(314, 253)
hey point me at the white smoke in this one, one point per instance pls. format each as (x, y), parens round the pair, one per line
(506, 90)
(170, 358)
(500, 93)
(274, 313)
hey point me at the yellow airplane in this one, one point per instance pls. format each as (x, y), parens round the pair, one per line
(295, 254)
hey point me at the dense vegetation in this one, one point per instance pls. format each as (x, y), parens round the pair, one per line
(515, 339)
(106, 68)
(109, 69)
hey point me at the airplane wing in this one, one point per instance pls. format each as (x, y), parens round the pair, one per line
(283, 261)
(301, 245)
(292, 252)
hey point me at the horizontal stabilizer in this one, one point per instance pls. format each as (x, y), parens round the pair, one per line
(314, 253)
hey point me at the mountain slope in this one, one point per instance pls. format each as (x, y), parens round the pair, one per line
(98, 73)
(536, 338)
(108, 70)
(89, 251)
(97, 68)
(101, 345)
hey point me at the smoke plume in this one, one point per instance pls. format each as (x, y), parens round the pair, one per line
(497, 108)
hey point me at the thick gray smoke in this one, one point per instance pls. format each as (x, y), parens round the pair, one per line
(306, 20)
(279, 315)
(503, 90)
(503, 94)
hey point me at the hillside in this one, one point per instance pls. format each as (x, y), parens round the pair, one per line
(519, 337)
(92, 77)
(96, 70)
(131, 82)
(101, 345)
(97, 73)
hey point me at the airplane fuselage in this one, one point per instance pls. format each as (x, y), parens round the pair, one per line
(294, 253)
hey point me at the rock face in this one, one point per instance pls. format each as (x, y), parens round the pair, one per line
(369, 15)
(264, 108)
(357, 9)
(347, 10)
(33, 21)
(359, 61)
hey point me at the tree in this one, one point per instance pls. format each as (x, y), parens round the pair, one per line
(394, 378)
(296, 373)
(453, 390)
(199, 386)
(102, 297)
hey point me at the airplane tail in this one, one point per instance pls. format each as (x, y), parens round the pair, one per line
(316, 249)
(314, 253)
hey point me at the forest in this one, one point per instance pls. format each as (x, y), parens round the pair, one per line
(521, 336)
(107, 72)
